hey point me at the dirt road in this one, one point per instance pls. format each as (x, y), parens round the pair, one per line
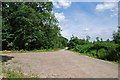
(62, 64)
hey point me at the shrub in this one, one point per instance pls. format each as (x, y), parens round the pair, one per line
(102, 54)
(106, 50)
(93, 53)
(78, 48)
(83, 48)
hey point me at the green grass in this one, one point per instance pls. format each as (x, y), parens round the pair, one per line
(25, 51)
(12, 74)
(45, 50)
(42, 50)
(12, 51)
(15, 74)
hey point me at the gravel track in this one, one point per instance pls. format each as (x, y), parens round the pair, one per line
(62, 64)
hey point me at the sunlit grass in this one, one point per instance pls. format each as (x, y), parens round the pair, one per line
(26, 51)
(10, 74)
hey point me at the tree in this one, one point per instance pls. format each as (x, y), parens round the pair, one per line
(116, 39)
(30, 25)
(116, 36)
(101, 39)
(18, 25)
(88, 37)
(108, 40)
(97, 38)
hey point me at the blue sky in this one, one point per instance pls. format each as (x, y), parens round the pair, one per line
(96, 19)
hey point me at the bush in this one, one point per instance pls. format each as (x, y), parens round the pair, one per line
(85, 48)
(78, 48)
(106, 50)
(102, 54)
(82, 48)
(93, 53)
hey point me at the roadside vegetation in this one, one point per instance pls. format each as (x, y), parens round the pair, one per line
(45, 50)
(12, 75)
(105, 50)
(26, 51)
(15, 74)
(29, 26)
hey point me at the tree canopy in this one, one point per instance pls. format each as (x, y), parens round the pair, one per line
(30, 25)
(116, 36)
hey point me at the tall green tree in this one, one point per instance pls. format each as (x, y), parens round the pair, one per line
(30, 25)
(116, 36)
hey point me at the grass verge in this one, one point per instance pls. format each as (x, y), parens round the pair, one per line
(12, 51)
(16, 74)
(92, 56)
(25, 51)
(44, 50)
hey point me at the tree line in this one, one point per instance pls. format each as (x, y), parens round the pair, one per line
(106, 50)
(30, 25)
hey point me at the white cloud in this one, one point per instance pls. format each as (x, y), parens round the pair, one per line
(56, 4)
(61, 3)
(111, 6)
(83, 24)
(112, 15)
(60, 16)
(86, 29)
(110, 0)
(106, 6)
(65, 3)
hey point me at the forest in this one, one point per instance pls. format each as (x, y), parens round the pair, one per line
(33, 25)
(30, 25)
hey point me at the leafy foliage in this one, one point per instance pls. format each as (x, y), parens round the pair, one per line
(106, 50)
(116, 36)
(30, 25)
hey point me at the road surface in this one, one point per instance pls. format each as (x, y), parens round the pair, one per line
(62, 64)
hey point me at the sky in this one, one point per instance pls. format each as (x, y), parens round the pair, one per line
(96, 19)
